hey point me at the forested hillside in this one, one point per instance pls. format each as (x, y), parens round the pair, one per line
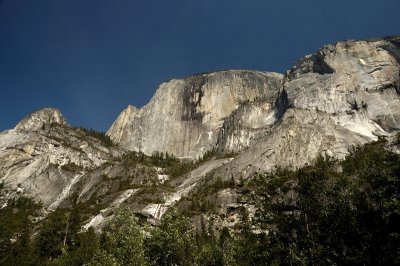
(330, 213)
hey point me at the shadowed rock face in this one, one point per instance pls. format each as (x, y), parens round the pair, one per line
(345, 94)
(185, 116)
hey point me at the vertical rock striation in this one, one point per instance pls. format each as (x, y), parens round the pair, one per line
(185, 115)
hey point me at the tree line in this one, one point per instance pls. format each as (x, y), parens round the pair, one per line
(330, 213)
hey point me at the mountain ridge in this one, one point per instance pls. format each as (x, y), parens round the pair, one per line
(225, 127)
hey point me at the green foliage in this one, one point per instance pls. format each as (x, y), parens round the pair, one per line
(103, 258)
(15, 230)
(208, 155)
(15, 216)
(71, 167)
(171, 243)
(208, 249)
(204, 200)
(49, 243)
(60, 240)
(133, 157)
(214, 153)
(83, 252)
(181, 168)
(318, 215)
(98, 135)
(122, 241)
(220, 184)
(175, 242)
(173, 166)
(331, 213)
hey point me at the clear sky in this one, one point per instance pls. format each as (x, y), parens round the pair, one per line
(91, 58)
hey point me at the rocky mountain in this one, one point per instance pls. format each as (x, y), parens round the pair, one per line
(185, 116)
(240, 122)
(43, 157)
(344, 95)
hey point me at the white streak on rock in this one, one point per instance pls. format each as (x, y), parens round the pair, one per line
(65, 192)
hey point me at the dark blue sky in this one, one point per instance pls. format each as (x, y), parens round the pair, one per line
(91, 58)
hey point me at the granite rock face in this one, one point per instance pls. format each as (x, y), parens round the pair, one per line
(43, 157)
(246, 125)
(39, 119)
(348, 76)
(185, 116)
(344, 95)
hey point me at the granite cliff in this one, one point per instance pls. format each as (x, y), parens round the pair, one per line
(185, 116)
(344, 95)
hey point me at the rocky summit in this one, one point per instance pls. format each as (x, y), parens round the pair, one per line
(185, 116)
(225, 125)
(43, 157)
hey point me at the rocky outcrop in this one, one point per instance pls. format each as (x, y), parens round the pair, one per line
(361, 74)
(344, 95)
(39, 119)
(43, 157)
(245, 126)
(185, 115)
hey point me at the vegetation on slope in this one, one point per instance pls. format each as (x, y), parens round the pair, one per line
(16, 220)
(173, 166)
(98, 135)
(332, 213)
